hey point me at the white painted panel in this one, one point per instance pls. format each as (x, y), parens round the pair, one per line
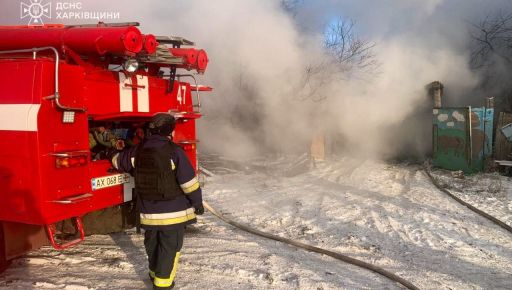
(125, 93)
(143, 93)
(19, 117)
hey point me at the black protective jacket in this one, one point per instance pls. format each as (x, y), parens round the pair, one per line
(165, 214)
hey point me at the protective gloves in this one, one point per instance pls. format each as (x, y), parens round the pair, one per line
(199, 209)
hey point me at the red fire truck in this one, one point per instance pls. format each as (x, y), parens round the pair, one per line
(58, 85)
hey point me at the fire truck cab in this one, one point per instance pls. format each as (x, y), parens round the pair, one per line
(61, 88)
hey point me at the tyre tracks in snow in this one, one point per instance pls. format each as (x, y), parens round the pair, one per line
(404, 183)
(381, 271)
(344, 258)
(476, 210)
(438, 233)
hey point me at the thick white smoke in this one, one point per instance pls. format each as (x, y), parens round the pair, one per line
(259, 53)
(417, 42)
(257, 59)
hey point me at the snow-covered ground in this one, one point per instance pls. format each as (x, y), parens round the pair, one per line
(387, 214)
(492, 193)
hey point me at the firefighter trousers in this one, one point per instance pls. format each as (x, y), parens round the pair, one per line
(163, 249)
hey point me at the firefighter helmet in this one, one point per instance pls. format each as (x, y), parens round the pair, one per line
(162, 124)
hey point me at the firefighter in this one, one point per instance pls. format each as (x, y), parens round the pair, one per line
(168, 196)
(138, 137)
(102, 140)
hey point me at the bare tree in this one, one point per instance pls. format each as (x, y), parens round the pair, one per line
(347, 57)
(492, 40)
(491, 57)
(350, 52)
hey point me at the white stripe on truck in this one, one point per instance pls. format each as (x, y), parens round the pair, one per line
(125, 93)
(142, 93)
(19, 117)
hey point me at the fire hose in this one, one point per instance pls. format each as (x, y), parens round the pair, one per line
(310, 248)
(474, 209)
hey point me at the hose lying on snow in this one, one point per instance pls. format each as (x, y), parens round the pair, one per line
(335, 255)
(478, 211)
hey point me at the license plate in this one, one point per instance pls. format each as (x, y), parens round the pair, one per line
(108, 181)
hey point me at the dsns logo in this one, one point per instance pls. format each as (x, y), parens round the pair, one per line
(36, 10)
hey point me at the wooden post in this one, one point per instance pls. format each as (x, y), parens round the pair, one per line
(318, 147)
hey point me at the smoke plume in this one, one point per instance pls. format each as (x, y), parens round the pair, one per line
(275, 86)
